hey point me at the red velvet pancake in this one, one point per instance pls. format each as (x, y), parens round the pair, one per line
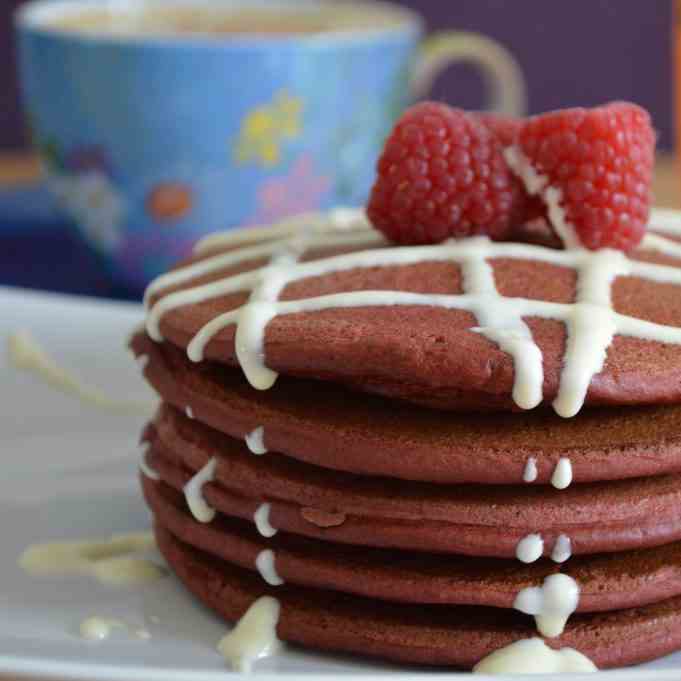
(328, 426)
(468, 519)
(434, 635)
(607, 582)
(429, 354)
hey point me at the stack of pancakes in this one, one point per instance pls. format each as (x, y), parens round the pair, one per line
(389, 484)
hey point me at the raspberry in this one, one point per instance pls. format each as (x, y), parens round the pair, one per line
(442, 174)
(601, 161)
(505, 128)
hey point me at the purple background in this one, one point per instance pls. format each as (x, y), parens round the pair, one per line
(573, 52)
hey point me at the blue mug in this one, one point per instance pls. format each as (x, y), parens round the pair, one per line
(152, 136)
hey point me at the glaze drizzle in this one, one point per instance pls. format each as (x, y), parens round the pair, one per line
(591, 321)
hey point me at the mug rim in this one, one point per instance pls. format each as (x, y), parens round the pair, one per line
(34, 17)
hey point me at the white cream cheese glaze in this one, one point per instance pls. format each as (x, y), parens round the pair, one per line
(530, 471)
(265, 564)
(99, 628)
(26, 353)
(254, 636)
(552, 603)
(533, 656)
(193, 492)
(110, 561)
(255, 441)
(261, 517)
(530, 548)
(562, 474)
(148, 471)
(562, 549)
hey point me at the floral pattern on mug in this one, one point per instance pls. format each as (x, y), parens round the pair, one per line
(93, 202)
(300, 190)
(265, 128)
(81, 183)
(169, 201)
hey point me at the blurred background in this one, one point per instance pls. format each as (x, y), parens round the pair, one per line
(581, 52)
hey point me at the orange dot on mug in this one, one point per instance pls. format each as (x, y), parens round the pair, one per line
(169, 201)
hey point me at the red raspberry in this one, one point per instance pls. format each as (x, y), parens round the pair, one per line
(442, 174)
(505, 128)
(602, 161)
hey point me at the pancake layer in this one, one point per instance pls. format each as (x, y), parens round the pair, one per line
(607, 582)
(426, 353)
(327, 426)
(433, 635)
(468, 519)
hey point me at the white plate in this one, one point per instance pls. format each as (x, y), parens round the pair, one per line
(69, 472)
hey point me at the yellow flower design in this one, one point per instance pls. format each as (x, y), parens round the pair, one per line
(265, 128)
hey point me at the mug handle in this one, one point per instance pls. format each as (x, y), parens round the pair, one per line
(504, 81)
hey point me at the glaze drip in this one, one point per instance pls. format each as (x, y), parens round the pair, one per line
(148, 471)
(530, 548)
(254, 636)
(262, 521)
(267, 569)
(193, 492)
(530, 472)
(562, 474)
(551, 603)
(562, 549)
(255, 441)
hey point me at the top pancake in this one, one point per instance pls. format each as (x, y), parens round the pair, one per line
(431, 355)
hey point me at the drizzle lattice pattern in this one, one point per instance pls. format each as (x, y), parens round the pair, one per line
(591, 321)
